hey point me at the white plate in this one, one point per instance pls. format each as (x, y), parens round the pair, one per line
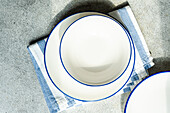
(68, 85)
(93, 46)
(152, 95)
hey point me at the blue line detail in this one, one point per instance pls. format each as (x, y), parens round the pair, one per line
(126, 89)
(130, 84)
(50, 100)
(81, 99)
(70, 102)
(135, 77)
(138, 85)
(129, 24)
(128, 35)
(41, 44)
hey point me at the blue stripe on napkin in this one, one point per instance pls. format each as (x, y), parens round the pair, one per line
(127, 89)
(50, 100)
(71, 101)
(129, 24)
(41, 44)
(130, 84)
(135, 77)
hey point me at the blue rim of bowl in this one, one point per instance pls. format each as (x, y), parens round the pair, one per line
(139, 84)
(74, 97)
(128, 35)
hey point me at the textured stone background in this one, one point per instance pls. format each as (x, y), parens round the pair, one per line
(22, 21)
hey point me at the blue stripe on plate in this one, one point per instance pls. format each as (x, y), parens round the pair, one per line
(51, 102)
(41, 44)
(129, 24)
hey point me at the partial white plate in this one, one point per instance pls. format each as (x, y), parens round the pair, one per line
(152, 95)
(67, 84)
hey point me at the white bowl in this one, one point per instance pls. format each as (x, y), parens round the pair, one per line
(152, 95)
(64, 83)
(95, 50)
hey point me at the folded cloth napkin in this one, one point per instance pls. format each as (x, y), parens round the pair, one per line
(57, 101)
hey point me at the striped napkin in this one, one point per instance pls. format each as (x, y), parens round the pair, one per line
(57, 101)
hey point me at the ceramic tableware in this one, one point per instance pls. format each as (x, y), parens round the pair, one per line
(66, 84)
(152, 95)
(95, 50)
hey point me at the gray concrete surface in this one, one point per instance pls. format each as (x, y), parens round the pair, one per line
(22, 21)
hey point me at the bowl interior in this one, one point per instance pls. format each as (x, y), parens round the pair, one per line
(95, 50)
